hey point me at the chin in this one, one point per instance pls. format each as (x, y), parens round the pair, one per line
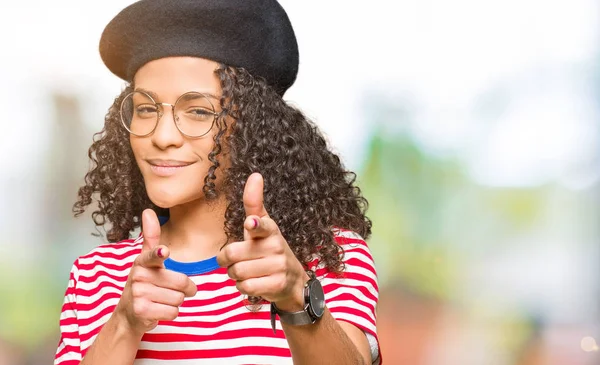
(169, 197)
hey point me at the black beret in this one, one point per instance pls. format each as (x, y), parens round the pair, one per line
(254, 34)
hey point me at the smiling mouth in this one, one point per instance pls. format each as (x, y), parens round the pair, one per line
(167, 167)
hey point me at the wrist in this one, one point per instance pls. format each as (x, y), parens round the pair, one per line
(295, 301)
(122, 328)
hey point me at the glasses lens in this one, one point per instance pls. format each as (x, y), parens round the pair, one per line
(194, 114)
(139, 113)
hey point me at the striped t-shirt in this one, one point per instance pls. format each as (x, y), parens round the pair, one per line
(215, 326)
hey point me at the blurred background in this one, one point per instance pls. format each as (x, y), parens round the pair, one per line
(472, 125)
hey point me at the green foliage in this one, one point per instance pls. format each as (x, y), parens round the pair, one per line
(429, 216)
(30, 306)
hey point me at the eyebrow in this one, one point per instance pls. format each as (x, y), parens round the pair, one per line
(156, 98)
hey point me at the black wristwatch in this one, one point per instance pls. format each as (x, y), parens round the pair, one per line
(314, 305)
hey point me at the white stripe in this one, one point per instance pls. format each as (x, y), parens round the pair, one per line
(70, 341)
(355, 269)
(355, 319)
(61, 346)
(215, 344)
(247, 324)
(97, 260)
(353, 291)
(98, 294)
(67, 356)
(359, 255)
(88, 273)
(210, 278)
(89, 314)
(214, 318)
(353, 305)
(85, 344)
(113, 248)
(69, 328)
(94, 284)
(214, 306)
(67, 314)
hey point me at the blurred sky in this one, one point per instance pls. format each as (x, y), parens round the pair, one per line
(446, 60)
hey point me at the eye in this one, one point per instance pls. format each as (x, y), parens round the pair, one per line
(199, 114)
(146, 110)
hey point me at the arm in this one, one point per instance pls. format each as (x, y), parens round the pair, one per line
(116, 344)
(152, 293)
(264, 265)
(328, 341)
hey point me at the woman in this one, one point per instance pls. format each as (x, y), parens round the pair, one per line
(257, 257)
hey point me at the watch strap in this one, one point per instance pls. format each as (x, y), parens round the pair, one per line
(294, 318)
(302, 317)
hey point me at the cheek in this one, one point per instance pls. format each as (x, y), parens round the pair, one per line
(137, 146)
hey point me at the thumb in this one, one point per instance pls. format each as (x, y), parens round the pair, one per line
(150, 230)
(253, 196)
(153, 253)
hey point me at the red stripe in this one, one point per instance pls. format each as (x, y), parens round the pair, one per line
(203, 302)
(355, 276)
(225, 335)
(99, 274)
(211, 354)
(99, 264)
(67, 306)
(69, 362)
(101, 285)
(352, 298)
(115, 246)
(352, 311)
(70, 335)
(68, 321)
(90, 321)
(213, 286)
(215, 312)
(67, 349)
(214, 324)
(86, 336)
(331, 287)
(91, 306)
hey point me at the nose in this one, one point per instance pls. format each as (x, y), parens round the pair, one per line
(166, 133)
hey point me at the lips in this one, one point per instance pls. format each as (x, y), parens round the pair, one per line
(167, 167)
(168, 163)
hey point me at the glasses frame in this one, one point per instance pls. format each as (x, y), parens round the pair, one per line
(160, 109)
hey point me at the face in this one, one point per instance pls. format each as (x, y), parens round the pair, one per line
(174, 165)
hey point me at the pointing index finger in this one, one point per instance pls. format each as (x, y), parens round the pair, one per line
(258, 227)
(153, 258)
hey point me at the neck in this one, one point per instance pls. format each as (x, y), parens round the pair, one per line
(195, 230)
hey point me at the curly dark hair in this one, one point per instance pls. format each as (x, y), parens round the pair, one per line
(308, 192)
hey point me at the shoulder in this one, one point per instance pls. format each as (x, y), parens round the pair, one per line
(352, 244)
(355, 254)
(112, 258)
(347, 237)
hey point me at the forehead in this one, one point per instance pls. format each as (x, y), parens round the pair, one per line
(170, 77)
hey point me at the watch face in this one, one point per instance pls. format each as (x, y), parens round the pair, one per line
(317, 298)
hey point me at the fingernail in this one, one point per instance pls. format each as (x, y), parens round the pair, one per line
(255, 222)
(159, 252)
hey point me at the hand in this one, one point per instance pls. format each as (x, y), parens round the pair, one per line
(152, 293)
(263, 265)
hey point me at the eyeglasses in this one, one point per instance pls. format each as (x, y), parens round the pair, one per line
(193, 113)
